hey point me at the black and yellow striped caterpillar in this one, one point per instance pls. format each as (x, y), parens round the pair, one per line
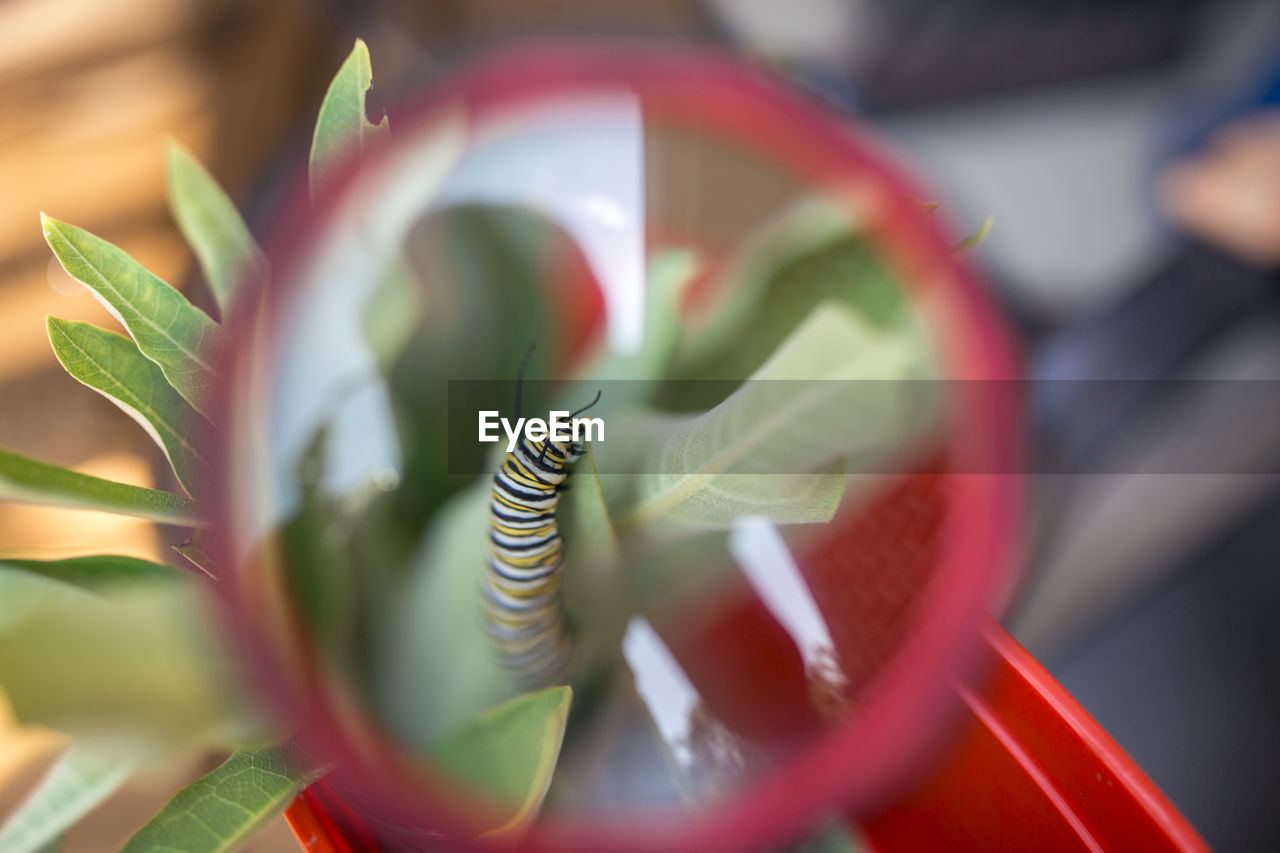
(522, 585)
(523, 613)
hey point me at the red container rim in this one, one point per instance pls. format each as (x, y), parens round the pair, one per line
(855, 766)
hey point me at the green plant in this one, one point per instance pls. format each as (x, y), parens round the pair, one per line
(815, 302)
(158, 690)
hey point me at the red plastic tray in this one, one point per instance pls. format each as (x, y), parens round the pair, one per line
(1031, 771)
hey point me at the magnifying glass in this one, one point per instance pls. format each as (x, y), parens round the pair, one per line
(622, 458)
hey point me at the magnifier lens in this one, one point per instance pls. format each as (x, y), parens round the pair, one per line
(775, 515)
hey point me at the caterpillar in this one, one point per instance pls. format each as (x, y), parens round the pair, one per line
(522, 608)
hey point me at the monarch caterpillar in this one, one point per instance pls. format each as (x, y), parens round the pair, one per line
(523, 614)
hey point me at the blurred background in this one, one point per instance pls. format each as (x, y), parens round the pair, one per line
(1125, 149)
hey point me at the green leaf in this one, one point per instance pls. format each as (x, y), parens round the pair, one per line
(591, 531)
(343, 127)
(29, 481)
(592, 586)
(77, 782)
(486, 284)
(111, 365)
(212, 226)
(168, 329)
(436, 664)
(220, 810)
(811, 254)
(776, 446)
(95, 571)
(510, 753)
(743, 286)
(131, 669)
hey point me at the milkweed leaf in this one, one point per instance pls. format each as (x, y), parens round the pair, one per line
(220, 810)
(510, 753)
(168, 329)
(776, 446)
(31, 481)
(77, 783)
(96, 571)
(593, 566)
(343, 127)
(111, 365)
(436, 664)
(132, 668)
(212, 226)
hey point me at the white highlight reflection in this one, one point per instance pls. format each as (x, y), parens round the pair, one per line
(763, 555)
(663, 687)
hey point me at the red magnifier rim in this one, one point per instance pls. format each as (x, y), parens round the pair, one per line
(851, 768)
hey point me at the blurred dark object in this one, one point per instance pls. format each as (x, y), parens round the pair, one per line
(1208, 313)
(1181, 671)
(1121, 401)
(1155, 334)
(1195, 119)
(910, 53)
(444, 27)
(944, 51)
(1185, 682)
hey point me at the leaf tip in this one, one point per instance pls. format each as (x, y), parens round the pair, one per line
(61, 328)
(976, 238)
(174, 153)
(177, 154)
(55, 229)
(53, 330)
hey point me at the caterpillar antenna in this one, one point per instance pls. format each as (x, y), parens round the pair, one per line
(524, 363)
(587, 406)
